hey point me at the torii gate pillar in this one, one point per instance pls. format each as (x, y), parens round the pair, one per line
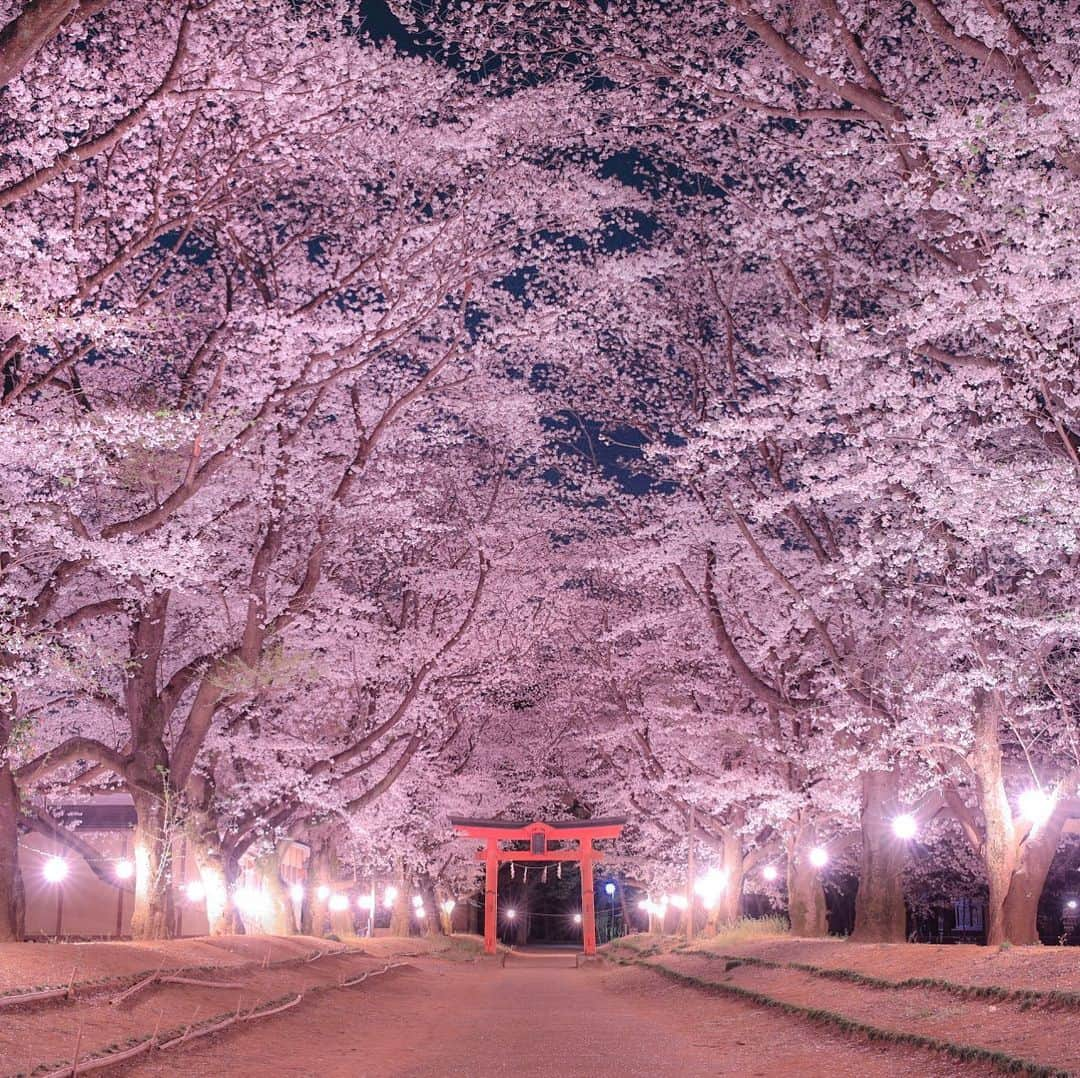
(588, 909)
(540, 837)
(491, 894)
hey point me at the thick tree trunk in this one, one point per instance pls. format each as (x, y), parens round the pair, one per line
(880, 914)
(318, 891)
(218, 874)
(152, 916)
(727, 908)
(1021, 906)
(999, 851)
(399, 914)
(280, 919)
(806, 896)
(12, 904)
(433, 920)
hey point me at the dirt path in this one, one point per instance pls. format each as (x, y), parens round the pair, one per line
(1039, 1031)
(539, 1019)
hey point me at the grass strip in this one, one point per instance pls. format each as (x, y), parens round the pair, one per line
(1025, 997)
(962, 1052)
(174, 1038)
(44, 993)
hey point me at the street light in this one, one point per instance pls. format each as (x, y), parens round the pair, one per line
(296, 893)
(124, 870)
(905, 826)
(609, 889)
(710, 886)
(55, 872)
(770, 873)
(819, 857)
(1036, 805)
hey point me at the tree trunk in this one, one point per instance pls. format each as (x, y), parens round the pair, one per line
(727, 906)
(999, 850)
(1021, 906)
(316, 908)
(152, 916)
(806, 897)
(433, 925)
(280, 919)
(218, 872)
(880, 913)
(12, 903)
(399, 914)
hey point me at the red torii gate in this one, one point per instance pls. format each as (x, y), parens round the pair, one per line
(540, 837)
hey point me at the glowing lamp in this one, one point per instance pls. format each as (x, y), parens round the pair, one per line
(421, 913)
(710, 886)
(609, 889)
(390, 897)
(819, 857)
(511, 914)
(1071, 904)
(124, 870)
(196, 892)
(678, 901)
(55, 870)
(577, 918)
(1036, 805)
(770, 873)
(417, 901)
(338, 903)
(249, 901)
(645, 905)
(905, 826)
(322, 892)
(296, 893)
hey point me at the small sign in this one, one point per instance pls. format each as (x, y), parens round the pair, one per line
(539, 842)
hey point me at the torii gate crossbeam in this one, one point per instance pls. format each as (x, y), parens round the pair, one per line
(540, 836)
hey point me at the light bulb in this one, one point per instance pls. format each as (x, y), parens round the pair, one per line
(124, 870)
(819, 857)
(1036, 806)
(905, 826)
(55, 870)
(770, 873)
(296, 893)
(195, 891)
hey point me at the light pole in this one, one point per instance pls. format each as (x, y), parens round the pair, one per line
(55, 871)
(609, 890)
